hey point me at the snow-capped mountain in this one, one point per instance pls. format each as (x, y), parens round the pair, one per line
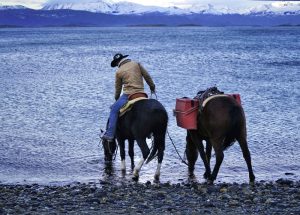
(208, 9)
(107, 6)
(91, 5)
(14, 7)
(133, 8)
(110, 7)
(279, 8)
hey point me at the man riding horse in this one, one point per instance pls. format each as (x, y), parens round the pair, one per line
(130, 76)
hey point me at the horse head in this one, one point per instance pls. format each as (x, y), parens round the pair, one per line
(109, 149)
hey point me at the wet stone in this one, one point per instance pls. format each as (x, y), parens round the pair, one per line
(212, 189)
(270, 201)
(248, 202)
(209, 204)
(284, 181)
(223, 190)
(289, 173)
(233, 203)
(226, 196)
(233, 189)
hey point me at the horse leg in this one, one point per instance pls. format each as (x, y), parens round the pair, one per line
(246, 154)
(159, 142)
(218, 147)
(198, 142)
(208, 157)
(131, 152)
(122, 154)
(145, 151)
(191, 154)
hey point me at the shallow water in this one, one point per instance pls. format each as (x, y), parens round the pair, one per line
(57, 86)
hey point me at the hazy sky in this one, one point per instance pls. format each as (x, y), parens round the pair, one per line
(179, 3)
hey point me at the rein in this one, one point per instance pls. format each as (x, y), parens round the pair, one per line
(101, 147)
(154, 93)
(180, 158)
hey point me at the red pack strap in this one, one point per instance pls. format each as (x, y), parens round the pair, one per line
(186, 112)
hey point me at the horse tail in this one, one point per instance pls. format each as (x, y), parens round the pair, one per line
(237, 119)
(152, 154)
(159, 133)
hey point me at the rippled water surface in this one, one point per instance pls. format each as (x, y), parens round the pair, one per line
(57, 86)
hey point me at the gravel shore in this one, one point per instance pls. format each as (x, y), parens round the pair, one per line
(280, 197)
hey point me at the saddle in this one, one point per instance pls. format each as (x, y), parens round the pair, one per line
(206, 95)
(132, 98)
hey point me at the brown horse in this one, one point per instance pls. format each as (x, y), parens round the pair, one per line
(220, 123)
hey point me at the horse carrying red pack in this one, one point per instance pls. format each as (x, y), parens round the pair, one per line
(218, 119)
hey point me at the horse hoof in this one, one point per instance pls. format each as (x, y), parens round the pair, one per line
(191, 169)
(155, 181)
(156, 178)
(210, 182)
(207, 175)
(252, 183)
(135, 178)
(192, 180)
(192, 176)
(135, 175)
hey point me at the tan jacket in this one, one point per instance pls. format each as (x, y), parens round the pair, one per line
(130, 75)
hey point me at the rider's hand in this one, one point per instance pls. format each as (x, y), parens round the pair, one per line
(152, 90)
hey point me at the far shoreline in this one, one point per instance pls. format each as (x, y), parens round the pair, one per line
(145, 26)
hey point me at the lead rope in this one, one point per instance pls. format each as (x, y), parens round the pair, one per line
(182, 160)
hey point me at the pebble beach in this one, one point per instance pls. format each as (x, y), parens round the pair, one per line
(279, 197)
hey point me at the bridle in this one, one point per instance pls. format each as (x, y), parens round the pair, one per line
(108, 149)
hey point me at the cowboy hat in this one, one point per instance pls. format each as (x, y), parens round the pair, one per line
(117, 59)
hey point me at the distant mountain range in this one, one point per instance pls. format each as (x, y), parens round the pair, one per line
(14, 7)
(109, 7)
(107, 13)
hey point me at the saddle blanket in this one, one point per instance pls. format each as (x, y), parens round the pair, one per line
(129, 104)
(212, 97)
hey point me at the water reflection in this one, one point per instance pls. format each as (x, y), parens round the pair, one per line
(109, 169)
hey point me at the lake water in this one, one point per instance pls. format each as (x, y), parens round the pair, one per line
(57, 86)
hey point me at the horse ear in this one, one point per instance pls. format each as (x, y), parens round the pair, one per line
(101, 132)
